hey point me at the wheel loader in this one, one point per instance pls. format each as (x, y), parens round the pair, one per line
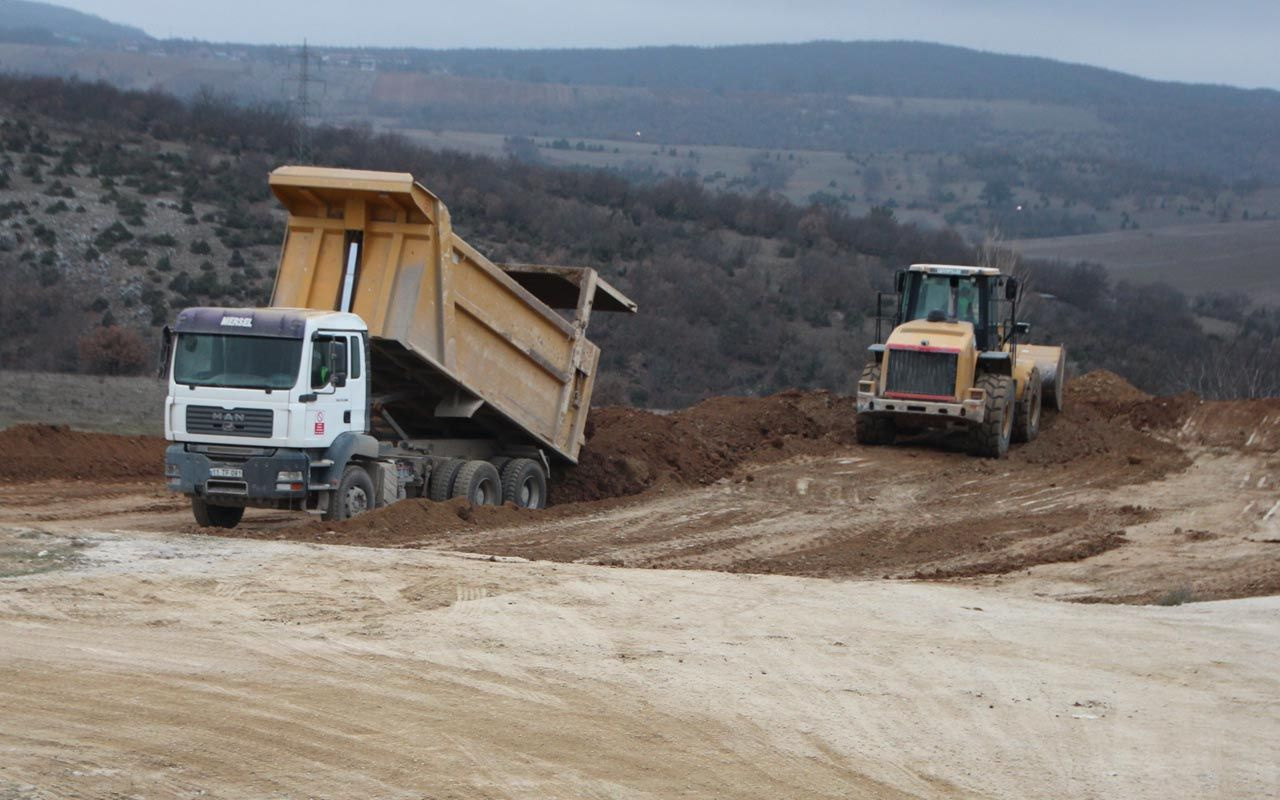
(954, 359)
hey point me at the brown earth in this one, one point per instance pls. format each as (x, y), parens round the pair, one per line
(47, 452)
(777, 485)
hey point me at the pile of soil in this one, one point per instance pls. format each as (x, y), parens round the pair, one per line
(1252, 425)
(1108, 421)
(629, 451)
(48, 452)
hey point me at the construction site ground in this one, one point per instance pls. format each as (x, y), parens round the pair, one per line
(732, 600)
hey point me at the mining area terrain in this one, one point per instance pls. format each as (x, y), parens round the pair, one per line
(732, 600)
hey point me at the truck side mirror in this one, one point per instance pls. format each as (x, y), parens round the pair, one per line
(1011, 289)
(166, 349)
(338, 358)
(899, 280)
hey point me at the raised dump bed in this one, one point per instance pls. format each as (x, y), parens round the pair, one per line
(460, 347)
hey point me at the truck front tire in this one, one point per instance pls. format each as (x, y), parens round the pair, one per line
(353, 496)
(524, 483)
(208, 516)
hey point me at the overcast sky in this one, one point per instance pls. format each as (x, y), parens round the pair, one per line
(1228, 41)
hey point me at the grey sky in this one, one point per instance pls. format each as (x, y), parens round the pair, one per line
(1229, 41)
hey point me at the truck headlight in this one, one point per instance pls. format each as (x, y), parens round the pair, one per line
(172, 470)
(289, 476)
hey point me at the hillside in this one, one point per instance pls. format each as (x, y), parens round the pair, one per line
(943, 136)
(118, 208)
(22, 20)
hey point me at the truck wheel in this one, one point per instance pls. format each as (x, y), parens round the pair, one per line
(1026, 420)
(524, 483)
(990, 438)
(873, 428)
(478, 481)
(442, 476)
(500, 462)
(353, 496)
(208, 516)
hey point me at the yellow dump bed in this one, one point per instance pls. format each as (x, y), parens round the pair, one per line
(459, 346)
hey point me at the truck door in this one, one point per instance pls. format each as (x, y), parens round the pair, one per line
(338, 378)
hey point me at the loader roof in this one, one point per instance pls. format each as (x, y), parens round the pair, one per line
(953, 269)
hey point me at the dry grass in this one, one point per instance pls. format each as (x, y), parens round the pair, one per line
(87, 402)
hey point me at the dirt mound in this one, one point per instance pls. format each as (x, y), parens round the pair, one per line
(1237, 424)
(46, 452)
(629, 451)
(1103, 389)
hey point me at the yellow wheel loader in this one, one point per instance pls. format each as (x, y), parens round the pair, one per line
(954, 360)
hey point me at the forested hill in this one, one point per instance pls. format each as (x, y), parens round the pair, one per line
(117, 209)
(29, 21)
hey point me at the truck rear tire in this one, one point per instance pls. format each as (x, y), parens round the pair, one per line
(1026, 421)
(443, 474)
(353, 497)
(210, 516)
(478, 481)
(990, 438)
(873, 428)
(524, 483)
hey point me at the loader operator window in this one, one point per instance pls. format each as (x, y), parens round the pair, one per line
(240, 362)
(957, 298)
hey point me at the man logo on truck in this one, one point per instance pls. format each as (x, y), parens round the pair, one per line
(237, 322)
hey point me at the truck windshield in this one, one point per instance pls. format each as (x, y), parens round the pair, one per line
(955, 297)
(241, 362)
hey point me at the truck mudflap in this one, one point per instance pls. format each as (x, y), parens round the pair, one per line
(239, 479)
(971, 409)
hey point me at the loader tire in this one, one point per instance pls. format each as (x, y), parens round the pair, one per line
(208, 516)
(990, 438)
(353, 497)
(1026, 419)
(524, 483)
(873, 429)
(479, 483)
(442, 478)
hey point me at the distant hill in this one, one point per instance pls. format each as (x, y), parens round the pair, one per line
(1218, 129)
(23, 20)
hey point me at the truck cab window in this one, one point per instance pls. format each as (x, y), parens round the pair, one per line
(357, 347)
(321, 368)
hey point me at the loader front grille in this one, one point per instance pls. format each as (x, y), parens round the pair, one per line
(230, 421)
(922, 373)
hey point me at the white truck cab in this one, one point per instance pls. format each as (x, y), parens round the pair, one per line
(259, 399)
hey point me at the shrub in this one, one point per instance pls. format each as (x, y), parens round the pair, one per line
(112, 350)
(112, 236)
(200, 248)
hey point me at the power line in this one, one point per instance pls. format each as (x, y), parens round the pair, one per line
(306, 107)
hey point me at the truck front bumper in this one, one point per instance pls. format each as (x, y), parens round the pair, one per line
(971, 409)
(236, 478)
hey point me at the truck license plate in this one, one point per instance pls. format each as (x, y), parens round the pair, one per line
(226, 472)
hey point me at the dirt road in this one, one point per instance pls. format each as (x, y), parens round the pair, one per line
(183, 666)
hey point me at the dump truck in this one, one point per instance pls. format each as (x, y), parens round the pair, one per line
(953, 359)
(394, 361)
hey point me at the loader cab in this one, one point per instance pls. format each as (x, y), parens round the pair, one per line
(939, 293)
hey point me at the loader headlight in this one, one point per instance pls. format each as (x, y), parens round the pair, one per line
(289, 476)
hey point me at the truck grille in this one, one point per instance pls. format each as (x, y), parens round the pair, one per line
(922, 373)
(229, 421)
